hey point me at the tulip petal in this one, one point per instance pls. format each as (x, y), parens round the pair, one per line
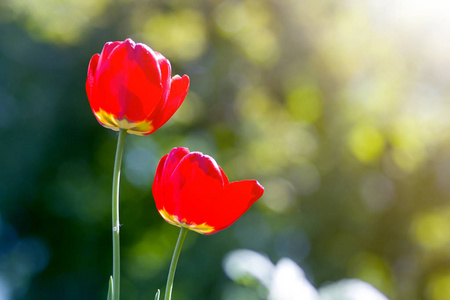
(165, 168)
(111, 74)
(235, 200)
(192, 187)
(178, 89)
(90, 82)
(166, 71)
(158, 112)
(144, 81)
(106, 52)
(174, 158)
(147, 60)
(98, 99)
(158, 182)
(109, 47)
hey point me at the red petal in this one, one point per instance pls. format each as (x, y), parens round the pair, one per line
(236, 199)
(158, 182)
(174, 157)
(147, 60)
(195, 183)
(106, 51)
(90, 82)
(111, 74)
(179, 87)
(97, 98)
(158, 112)
(166, 71)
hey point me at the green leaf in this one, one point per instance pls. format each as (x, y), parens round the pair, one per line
(110, 288)
(157, 295)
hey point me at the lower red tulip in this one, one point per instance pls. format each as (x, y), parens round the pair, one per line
(192, 191)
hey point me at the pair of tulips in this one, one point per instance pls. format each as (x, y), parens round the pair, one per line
(130, 89)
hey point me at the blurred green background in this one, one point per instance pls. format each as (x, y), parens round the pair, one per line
(340, 110)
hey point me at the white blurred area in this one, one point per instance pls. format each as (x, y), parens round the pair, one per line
(420, 32)
(350, 289)
(285, 280)
(423, 27)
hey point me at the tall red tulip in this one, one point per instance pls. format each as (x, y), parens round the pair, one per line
(192, 191)
(130, 86)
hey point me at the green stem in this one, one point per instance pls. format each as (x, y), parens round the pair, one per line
(115, 215)
(173, 264)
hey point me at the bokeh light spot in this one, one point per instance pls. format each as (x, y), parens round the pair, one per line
(406, 137)
(247, 23)
(438, 286)
(231, 16)
(191, 110)
(180, 35)
(366, 143)
(279, 195)
(305, 103)
(57, 21)
(432, 229)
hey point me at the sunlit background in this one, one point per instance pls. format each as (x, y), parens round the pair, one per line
(339, 108)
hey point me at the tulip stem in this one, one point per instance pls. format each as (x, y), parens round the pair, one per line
(115, 215)
(173, 264)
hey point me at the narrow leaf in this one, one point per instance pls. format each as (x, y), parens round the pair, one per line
(110, 288)
(157, 295)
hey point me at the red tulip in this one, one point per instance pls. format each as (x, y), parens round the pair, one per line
(192, 191)
(129, 86)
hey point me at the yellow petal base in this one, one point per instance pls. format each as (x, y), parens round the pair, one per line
(110, 121)
(201, 228)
